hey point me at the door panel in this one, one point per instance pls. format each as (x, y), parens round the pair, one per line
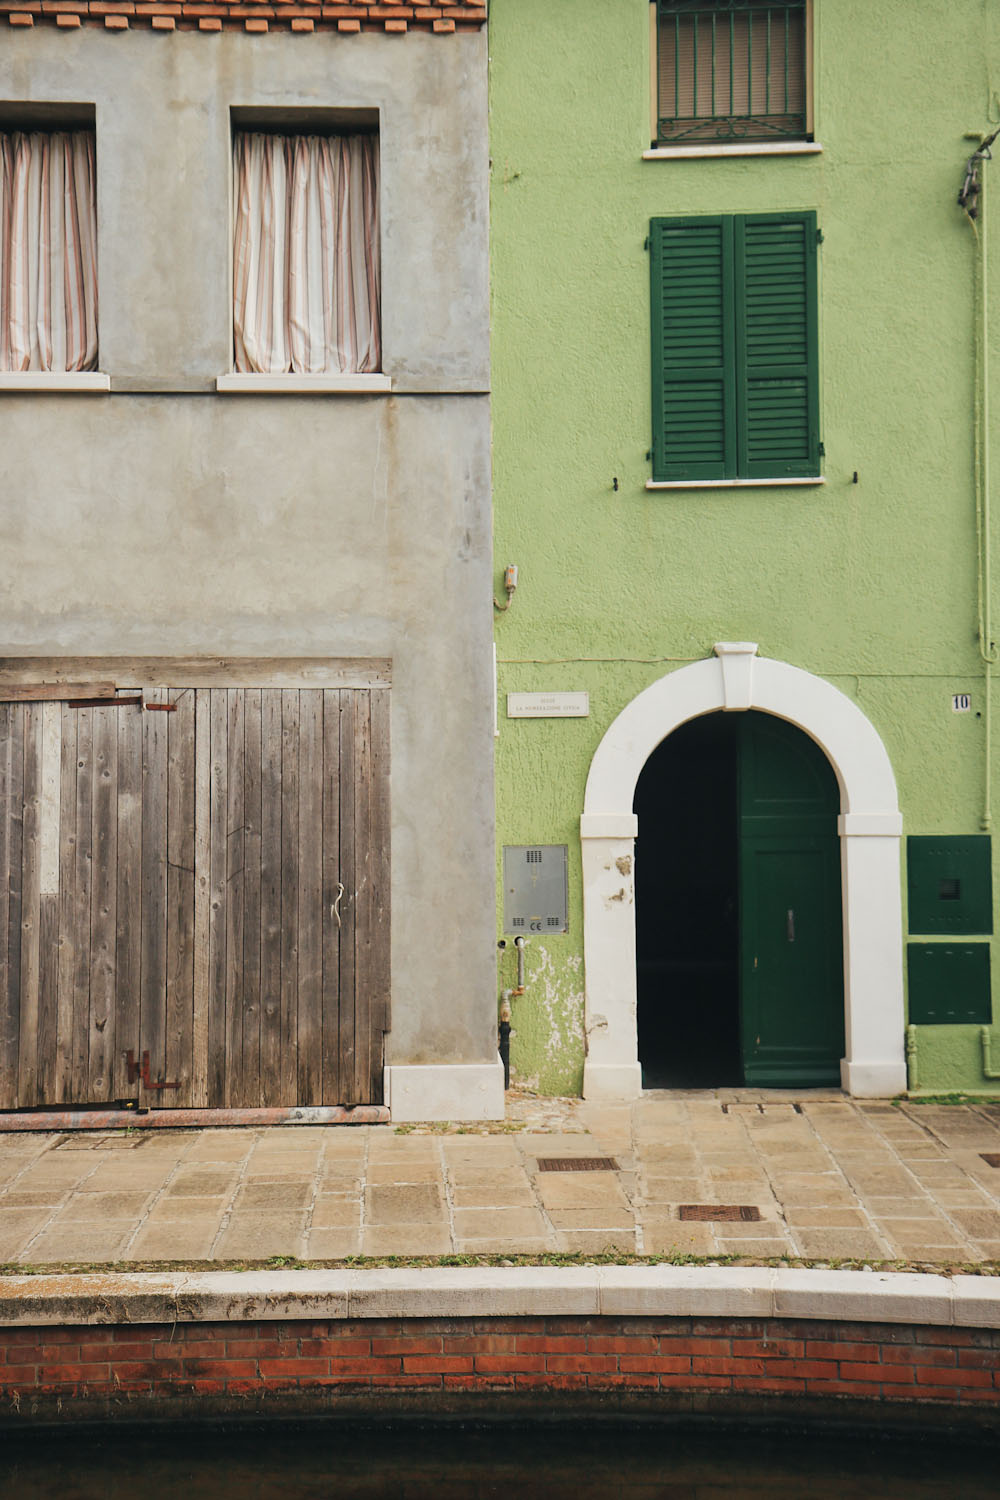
(792, 1005)
(204, 880)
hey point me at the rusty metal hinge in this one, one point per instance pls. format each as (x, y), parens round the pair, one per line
(141, 1071)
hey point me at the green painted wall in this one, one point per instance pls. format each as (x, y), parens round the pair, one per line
(871, 585)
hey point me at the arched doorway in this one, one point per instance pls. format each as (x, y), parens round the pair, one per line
(736, 680)
(739, 958)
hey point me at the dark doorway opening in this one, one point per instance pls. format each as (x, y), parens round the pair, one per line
(687, 908)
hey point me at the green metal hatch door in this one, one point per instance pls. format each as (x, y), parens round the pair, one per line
(791, 947)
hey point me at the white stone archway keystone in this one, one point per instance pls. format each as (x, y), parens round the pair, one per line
(870, 826)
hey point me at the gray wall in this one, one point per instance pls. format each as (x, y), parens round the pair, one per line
(164, 519)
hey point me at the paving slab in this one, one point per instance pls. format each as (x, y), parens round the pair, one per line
(834, 1179)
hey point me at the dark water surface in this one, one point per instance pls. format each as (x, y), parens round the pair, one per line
(512, 1460)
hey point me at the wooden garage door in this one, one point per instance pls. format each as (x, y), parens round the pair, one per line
(202, 877)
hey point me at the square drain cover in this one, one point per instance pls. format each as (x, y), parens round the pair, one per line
(577, 1164)
(746, 1213)
(991, 1158)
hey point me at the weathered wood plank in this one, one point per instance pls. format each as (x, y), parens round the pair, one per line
(180, 898)
(235, 887)
(62, 1091)
(363, 880)
(333, 895)
(28, 1060)
(202, 895)
(381, 872)
(310, 1044)
(218, 919)
(48, 992)
(289, 893)
(103, 905)
(79, 926)
(54, 692)
(11, 805)
(252, 809)
(270, 898)
(153, 998)
(349, 904)
(128, 901)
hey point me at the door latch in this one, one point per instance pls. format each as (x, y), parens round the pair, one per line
(141, 1071)
(791, 926)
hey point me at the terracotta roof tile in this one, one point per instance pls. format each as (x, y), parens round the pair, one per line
(396, 17)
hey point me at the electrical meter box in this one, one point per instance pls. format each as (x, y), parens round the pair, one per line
(949, 983)
(949, 882)
(535, 888)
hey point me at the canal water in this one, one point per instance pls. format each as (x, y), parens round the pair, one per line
(515, 1461)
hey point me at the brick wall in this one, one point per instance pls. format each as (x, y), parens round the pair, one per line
(306, 1364)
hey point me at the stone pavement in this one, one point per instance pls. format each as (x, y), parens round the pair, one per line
(831, 1179)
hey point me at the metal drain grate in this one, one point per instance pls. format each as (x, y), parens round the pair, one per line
(577, 1164)
(745, 1213)
(991, 1158)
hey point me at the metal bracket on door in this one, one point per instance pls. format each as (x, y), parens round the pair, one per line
(141, 1071)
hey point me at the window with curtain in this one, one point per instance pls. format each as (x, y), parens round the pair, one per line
(48, 251)
(306, 294)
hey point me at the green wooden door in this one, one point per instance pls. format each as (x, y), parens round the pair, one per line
(791, 949)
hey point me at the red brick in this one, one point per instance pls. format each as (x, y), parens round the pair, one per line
(553, 1382)
(68, 1373)
(747, 1383)
(834, 1349)
(388, 1382)
(884, 1374)
(958, 1337)
(927, 1375)
(727, 1366)
(696, 1382)
(512, 1362)
(287, 1367)
(453, 1364)
(721, 1348)
(978, 1359)
(917, 1354)
(768, 1348)
(665, 1364)
(545, 1344)
(635, 1345)
(500, 1343)
(370, 1366)
(479, 1382)
(591, 1364)
(257, 1349)
(808, 1369)
(402, 1345)
(25, 1356)
(327, 1347)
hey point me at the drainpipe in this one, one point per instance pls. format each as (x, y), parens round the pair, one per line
(972, 199)
(988, 1069)
(912, 1076)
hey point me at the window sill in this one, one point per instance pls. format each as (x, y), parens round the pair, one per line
(737, 148)
(730, 484)
(54, 380)
(300, 385)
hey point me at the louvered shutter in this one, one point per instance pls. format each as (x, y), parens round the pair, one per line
(777, 387)
(694, 386)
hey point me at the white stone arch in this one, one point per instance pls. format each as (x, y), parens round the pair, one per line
(869, 825)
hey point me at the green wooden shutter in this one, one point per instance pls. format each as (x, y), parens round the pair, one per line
(694, 373)
(776, 337)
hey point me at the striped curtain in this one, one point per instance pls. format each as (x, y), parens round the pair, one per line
(306, 254)
(48, 251)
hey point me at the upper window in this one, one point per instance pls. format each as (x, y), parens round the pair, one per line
(306, 276)
(48, 251)
(734, 320)
(730, 71)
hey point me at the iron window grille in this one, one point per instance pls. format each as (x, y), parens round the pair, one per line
(731, 70)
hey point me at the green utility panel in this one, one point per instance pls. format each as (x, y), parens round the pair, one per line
(949, 983)
(949, 883)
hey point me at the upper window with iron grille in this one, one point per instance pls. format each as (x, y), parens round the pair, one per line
(731, 71)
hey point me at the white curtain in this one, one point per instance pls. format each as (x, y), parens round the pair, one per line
(48, 251)
(306, 254)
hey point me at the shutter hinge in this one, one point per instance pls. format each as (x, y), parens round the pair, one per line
(822, 450)
(819, 236)
(649, 456)
(645, 243)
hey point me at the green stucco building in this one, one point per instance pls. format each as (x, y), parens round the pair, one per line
(742, 430)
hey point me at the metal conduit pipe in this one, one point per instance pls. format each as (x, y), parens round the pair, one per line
(985, 1041)
(912, 1075)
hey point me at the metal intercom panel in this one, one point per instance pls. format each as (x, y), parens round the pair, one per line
(949, 883)
(535, 888)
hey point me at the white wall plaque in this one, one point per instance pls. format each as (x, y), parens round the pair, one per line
(548, 705)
